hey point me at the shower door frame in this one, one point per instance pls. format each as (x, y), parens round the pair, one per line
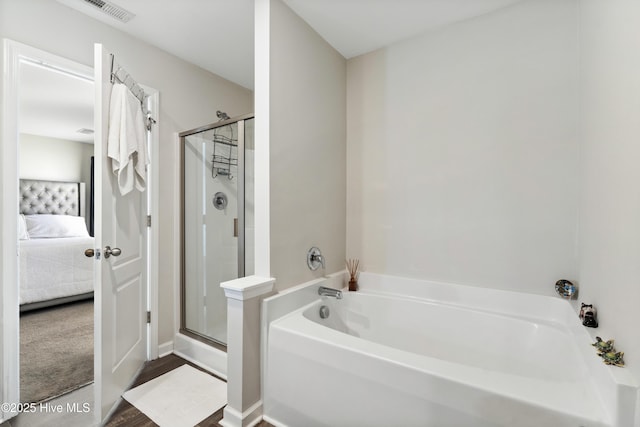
(241, 218)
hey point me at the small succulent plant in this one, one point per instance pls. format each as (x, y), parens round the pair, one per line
(603, 346)
(609, 354)
(613, 358)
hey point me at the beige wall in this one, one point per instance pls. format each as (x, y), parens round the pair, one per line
(54, 159)
(462, 151)
(609, 234)
(189, 97)
(307, 148)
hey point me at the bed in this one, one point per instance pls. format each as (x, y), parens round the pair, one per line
(52, 239)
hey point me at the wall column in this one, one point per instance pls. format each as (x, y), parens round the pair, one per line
(244, 400)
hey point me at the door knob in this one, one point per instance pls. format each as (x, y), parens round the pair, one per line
(89, 253)
(108, 251)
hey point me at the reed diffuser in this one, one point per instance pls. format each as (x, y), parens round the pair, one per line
(352, 268)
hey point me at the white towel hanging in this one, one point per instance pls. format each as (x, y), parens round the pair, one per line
(127, 143)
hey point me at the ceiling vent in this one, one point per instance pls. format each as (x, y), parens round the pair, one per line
(112, 10)
(106, 7)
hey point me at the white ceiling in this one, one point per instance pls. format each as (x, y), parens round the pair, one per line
(354, 27)
(217, 35)
(54, 104)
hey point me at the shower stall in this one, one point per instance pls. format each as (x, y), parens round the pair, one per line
(217, 221)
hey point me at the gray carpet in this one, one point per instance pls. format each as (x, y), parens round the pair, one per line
(56, 350)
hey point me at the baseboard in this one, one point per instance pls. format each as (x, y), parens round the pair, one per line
(165, 349)
(272, 421)
(248, 418)
(205, 356)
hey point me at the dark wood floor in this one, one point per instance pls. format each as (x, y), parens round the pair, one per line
(127, 415)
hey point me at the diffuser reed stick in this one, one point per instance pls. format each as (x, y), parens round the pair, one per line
(352, 267)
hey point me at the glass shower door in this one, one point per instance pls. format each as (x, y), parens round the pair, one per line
(217, 215)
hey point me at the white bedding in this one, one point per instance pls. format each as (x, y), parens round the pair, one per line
(54, 268)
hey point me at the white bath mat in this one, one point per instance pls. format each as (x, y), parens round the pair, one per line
(180, 398)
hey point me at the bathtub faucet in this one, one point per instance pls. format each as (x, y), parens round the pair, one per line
(315, 259)
(318, 258)
(329, 292)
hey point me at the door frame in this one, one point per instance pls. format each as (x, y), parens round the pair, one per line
(153, 235)
(13, 53)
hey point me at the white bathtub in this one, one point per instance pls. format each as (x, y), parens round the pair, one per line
(410, 353)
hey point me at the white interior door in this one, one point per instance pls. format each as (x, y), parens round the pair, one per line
(120, 281)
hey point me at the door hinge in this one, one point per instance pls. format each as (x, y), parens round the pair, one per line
(148, 220)
(148, 317)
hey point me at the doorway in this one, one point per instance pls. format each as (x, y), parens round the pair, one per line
(14, 54)
(55, 151)
(17, 59)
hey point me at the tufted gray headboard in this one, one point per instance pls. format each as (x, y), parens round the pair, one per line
(51, 197)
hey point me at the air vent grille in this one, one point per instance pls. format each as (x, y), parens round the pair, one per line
(96, 3)
(111, 9)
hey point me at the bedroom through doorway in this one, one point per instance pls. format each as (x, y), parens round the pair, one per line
(55, 227)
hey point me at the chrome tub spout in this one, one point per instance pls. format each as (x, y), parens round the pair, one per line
(329, 292)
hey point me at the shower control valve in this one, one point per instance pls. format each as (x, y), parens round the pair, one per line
(314, 259)
(220, 200)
